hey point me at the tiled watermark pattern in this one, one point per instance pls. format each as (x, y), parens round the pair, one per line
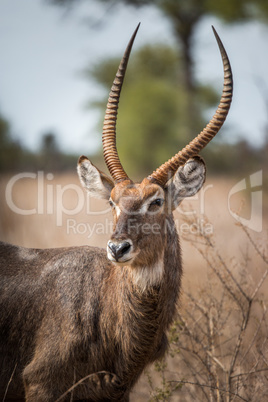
(51, 200)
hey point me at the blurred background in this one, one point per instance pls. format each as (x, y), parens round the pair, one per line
(58, 59)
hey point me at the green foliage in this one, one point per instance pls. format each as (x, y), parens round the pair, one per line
(167, 389)
(238, 11)
(158, 61)
(68, 3)
(228, 10)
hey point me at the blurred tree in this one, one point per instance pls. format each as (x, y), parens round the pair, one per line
(144, 116)
(14, 157)
(152, 107)
(10, 150)
(184, 16)
(51, 158)
(50, 155)
(49, 144)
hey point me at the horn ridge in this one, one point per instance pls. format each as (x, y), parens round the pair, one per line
(109, 125)
(168, 169)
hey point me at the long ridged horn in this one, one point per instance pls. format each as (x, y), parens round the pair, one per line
(168, 169)
(109, 125)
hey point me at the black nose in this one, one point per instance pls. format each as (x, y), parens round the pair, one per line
(118, 250)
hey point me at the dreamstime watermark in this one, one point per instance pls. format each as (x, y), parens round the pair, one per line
(54, 199)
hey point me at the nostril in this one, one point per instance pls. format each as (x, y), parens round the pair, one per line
(112, 247)
(123, 248)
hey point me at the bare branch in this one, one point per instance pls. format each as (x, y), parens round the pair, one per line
(208, 386)
(239, 339)
(250, 373)
(254, 336)
(255, 246)
(259, 284)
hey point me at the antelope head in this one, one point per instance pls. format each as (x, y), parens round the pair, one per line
(141, 210)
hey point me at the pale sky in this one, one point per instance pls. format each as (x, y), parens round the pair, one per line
(43, 50)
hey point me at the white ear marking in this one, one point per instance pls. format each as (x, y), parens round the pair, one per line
(187, 180)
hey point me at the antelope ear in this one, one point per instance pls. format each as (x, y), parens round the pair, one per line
(187, 181)
(97, 183)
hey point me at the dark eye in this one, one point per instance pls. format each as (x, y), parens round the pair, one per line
(158, 201)
(111, 203)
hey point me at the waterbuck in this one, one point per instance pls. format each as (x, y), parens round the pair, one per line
(82, 323)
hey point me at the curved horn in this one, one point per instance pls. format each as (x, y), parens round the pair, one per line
(168, 169)
(109, 125)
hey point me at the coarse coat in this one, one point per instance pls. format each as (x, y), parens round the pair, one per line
(57, 330)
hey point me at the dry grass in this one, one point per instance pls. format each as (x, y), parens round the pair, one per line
(92, 225)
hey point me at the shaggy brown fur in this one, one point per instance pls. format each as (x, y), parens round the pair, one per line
(66, 313)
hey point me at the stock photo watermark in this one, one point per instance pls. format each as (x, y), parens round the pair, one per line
(201, 226)
(54, 199)
(255, 187)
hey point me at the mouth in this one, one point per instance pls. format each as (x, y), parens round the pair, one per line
(120, 261)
